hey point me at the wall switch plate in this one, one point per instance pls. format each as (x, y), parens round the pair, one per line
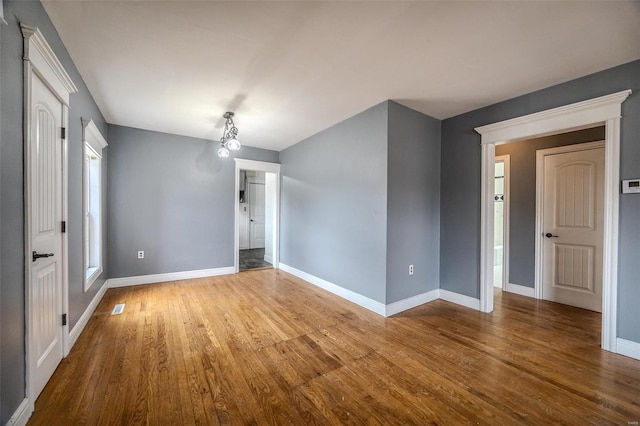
(141, 254)
(410, 269)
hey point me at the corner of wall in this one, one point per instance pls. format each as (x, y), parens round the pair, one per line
(413, 202)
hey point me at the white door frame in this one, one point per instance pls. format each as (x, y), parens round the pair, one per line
(605, 110)
(259, 166)
(41, 61)
(540, 154)
(506, 160)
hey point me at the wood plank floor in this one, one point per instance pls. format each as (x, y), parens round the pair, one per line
(264, 347)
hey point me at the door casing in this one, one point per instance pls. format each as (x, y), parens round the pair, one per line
(261, 166)
(604, 110)
(41, 61)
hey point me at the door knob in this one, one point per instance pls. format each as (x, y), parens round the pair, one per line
(35, 255)
(550, 235)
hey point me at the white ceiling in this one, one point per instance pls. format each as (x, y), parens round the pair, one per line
(292, 69)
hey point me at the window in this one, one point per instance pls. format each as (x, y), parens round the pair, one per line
(92, 202)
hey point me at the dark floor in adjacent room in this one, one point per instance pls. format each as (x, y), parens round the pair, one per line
(253, 259)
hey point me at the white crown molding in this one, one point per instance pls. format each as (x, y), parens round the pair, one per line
(45, 62)
(92, 135)
(572, 116)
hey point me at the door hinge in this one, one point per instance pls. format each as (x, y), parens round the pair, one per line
(64, 319)
(63, 133)
(63, 228)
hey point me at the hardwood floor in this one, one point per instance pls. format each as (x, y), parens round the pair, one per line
(264, 347)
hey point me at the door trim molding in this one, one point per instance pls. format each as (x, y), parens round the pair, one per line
(605, 110)
(40, 60)
(540, 154)
(260, 166)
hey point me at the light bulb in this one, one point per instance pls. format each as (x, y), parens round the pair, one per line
(223, 152)
(233, 144)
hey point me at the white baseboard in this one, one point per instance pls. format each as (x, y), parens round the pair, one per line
(358, 299)
(460, 299)
(84, 318)
(170, 276)
(628, 348)
(520, 289)
(411, 302)
(21, 415)
(268, 259)
(378, 307)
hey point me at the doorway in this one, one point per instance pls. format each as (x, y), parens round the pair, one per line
(257, 194)
(47, 89)
(605, 110)
(253, 233)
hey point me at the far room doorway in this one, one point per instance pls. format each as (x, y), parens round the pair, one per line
(257, 192)
(253, 233)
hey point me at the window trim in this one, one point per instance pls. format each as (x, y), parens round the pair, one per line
(92, 144)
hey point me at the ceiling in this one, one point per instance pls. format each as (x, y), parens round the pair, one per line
(292, 69)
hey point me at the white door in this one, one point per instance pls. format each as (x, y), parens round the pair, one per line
(256, 215)
(573, 228)
(45, 233)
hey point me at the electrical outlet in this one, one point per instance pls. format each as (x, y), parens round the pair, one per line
(141, 254)
(410, 269)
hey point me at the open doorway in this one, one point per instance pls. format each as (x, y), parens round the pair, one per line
(255, 232)
(606, 111)
(257, 192)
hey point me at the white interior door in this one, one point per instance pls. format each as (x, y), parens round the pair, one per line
(573, 228)
(45, 218)
(256, 215)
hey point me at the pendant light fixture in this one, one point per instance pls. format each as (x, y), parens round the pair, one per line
(229, 140)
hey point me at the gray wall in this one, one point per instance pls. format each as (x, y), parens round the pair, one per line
(522, 205)
(12, 284)
(172, 197)
(413, 203)
(460, 189)
(334, 204)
